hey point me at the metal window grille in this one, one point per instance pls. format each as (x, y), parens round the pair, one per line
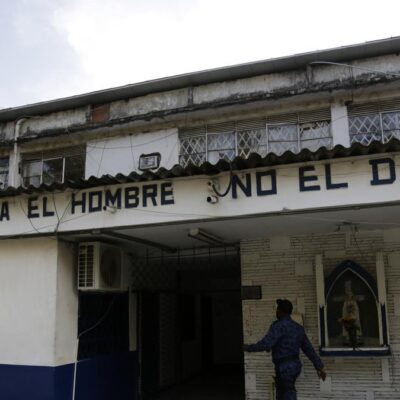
(4, 169)
(374, 122)
(274, 134)
(56, 165)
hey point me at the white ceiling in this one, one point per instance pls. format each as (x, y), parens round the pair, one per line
(234, 230)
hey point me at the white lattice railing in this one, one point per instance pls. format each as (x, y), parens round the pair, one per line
(274, 138)
(381, 127)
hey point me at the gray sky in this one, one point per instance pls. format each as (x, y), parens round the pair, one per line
(57, 48)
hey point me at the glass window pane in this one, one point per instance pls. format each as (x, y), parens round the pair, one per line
(364, 124)
(254, 141)
(391, 125)
(74, 168)
(283, 138)
(221, 146)
(53, 171)
(215, 156)
(221, 141)
(315, 130)
(31, 180)
(32, 168)
(283, 133)
(352, 313)
(195, 159)
(4, 162)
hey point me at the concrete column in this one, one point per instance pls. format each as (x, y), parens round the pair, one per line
(66, 327)
(340, 124)
(39, 311)
(14, 178)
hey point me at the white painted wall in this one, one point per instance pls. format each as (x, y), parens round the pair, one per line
(38, 302)
(28, 276)
(121, 154)
(190, 196)
(350, 377)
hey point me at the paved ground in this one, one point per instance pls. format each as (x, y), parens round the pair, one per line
(217, 384)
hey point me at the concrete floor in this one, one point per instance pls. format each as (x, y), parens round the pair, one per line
(221, 383)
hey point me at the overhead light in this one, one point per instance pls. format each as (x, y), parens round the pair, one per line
(206, 237)
(149, 161)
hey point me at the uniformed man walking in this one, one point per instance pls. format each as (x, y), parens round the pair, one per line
(285, 338)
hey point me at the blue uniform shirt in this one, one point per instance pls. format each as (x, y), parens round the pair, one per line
(285, 338)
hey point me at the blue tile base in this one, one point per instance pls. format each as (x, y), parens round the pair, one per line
(101, 378)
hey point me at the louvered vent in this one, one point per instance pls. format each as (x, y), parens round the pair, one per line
(192, 131)
(355, 110)
(86, 278)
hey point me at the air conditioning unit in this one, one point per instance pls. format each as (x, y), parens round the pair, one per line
(100, 267)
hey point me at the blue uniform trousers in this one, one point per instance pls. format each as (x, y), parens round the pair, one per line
(286, 374)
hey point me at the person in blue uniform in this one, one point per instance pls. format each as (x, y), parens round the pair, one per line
(285, 338)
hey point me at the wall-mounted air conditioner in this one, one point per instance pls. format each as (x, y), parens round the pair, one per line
(100, 267)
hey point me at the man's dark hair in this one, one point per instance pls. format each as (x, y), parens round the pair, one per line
(285, 306)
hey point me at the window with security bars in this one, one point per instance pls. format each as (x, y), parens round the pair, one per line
(4, 162)
(50, 166)
(374, 122)
(274, 134)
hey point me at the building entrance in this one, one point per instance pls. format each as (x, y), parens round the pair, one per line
(190, 327)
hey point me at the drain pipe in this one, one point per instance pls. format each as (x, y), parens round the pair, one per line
(14, 175)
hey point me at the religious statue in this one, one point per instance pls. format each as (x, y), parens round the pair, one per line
(351, 324)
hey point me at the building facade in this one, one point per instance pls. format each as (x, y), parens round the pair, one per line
(147, 230)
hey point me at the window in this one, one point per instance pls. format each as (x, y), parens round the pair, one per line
(374, 122)
(276, 134)
(47, 167)
(4, 172)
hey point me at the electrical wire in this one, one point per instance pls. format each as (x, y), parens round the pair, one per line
(223, 194)
(101, 157)
(134, 168)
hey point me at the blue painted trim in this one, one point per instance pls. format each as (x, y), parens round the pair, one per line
(20, 382)
(349, 265)
(102, 378)
(108, 377)
(355, 353)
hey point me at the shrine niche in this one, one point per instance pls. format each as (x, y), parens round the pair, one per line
(352, 308)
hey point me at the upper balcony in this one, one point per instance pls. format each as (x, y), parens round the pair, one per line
(273, 134)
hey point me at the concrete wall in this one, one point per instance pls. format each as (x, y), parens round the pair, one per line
(271, 261)
(38, 307)
(28, 287)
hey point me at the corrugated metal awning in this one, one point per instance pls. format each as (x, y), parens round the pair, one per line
(238, 164)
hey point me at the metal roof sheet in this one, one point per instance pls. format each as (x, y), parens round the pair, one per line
(238, 164)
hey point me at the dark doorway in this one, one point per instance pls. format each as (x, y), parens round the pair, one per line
(149, 343)
(206, 332)
(190, 331)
